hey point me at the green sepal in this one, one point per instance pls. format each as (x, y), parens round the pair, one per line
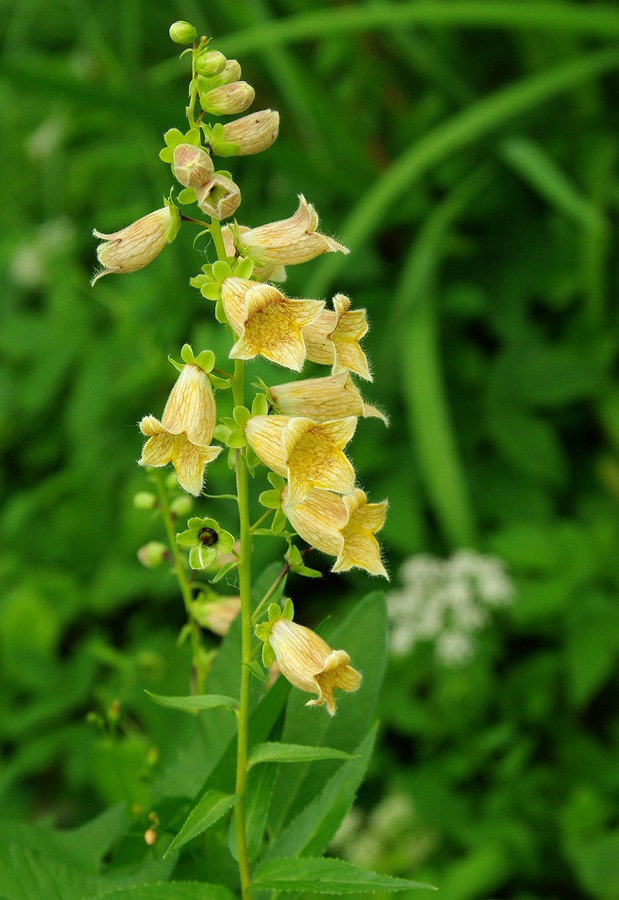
(306, 572)
(225, 148)
(221, 270)
(260, 405)
(187, 195)
(257, 671)
(252, 460)
(202, 557)
(236, 439)
(268, 655)
(274, 612)
(221, 433)
(187, 354)
(176, 365)
(244, 268)
(211, 290)
(221, 573)
(232, 458)
(205, 360)
(263, 631)
(225, 542)
(176, 222)
(241, 414)
(221, 384)
(279, 522)
(270, 499)
(288, 610)
(276, 480)
(220, 313)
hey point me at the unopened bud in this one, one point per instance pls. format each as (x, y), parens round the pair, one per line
(253, 133)
(152, 555)
(210, 63)
(182, 506)
(230, 72)
(150, 836)
(183, 32)
(144, 500)
(219, 197)
(192, 165)
(229, 99)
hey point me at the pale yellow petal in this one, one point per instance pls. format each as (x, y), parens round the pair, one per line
(264, 435)
(318, 519)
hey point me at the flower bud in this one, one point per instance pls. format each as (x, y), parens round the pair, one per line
(253, 133)
(229, 99)
(138, 244)
(183, 32)
(181, 506)
(216, 615)
(193, 166)
(144, 500)
(218, 197)
(231, 72)
(210, 63)
(152, 555)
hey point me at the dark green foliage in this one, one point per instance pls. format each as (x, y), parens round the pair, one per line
(467, 152)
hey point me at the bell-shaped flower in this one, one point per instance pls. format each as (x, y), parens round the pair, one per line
(307, 661)
(321, 399)
(333, 339)
(228, 99)
(184, 434)
(214, 612)
(268, 323)
(289, 241)
(309, 454)
(138, 244)
(265, 271)
(343, 527)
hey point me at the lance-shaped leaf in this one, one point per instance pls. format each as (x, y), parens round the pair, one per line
(209, 810)
(289, 753)
(195, 703)
(327, 876)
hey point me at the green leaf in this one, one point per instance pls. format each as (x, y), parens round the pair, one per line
(289, 753)
(327, 876)
(259, 789)
(314, 827)
(196, 703)
(171, 890)
(225, 570)
(212, 806)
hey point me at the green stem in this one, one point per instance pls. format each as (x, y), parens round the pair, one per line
(244, 569)
(199, 677)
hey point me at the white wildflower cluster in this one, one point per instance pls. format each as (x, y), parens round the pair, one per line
(447, 602)
(389, 836)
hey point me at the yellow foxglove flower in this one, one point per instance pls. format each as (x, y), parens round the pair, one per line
(268, 323)
(321, 399)
(310, 664)
(266, 271)
(228, 99)
(184, 434)
(309, 454)
(138, 244)
(343, 527)
(253, 133)
(333, 339)
(290, 241)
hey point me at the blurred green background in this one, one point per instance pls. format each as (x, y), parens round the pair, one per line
(467, 153)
